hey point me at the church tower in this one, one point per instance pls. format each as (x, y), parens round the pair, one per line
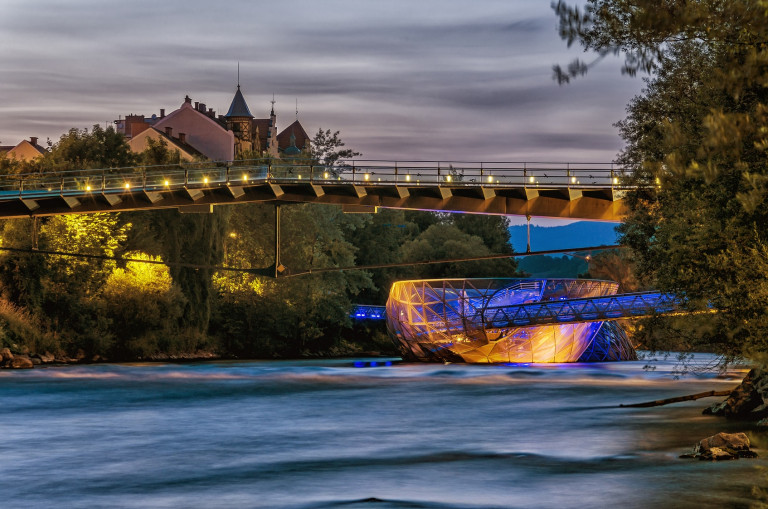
(272, 145)
(240, 121)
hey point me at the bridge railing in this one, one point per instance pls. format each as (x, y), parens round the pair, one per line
(358, 172)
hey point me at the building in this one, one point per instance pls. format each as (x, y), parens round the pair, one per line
(187, 152)
(196, 129)
(25, 150)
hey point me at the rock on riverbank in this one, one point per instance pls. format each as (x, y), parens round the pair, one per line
(748, 401)
(723, 446)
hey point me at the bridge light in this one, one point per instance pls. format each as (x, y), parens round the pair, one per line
(573, 180)
(490, 178)
(531, 179)
(299, 176)
(87, 188)
(166, 183)
(325, 175)
(367, 176)
(615, 180)
(205, 180)
(407, 178)
(658, 180)
(127, 185)
(448, 178)
(245, 177)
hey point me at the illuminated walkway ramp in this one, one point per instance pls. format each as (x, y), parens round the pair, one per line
(515, 320)
(576, 191)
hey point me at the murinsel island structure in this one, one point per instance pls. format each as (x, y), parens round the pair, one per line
(516, 320)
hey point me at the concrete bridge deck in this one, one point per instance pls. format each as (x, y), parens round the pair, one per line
(563, 190)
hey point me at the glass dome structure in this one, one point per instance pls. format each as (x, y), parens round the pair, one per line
(467, 320)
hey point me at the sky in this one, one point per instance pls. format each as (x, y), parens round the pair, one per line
(447, 80)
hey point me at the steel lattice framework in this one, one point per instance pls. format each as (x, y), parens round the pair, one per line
(515, 320)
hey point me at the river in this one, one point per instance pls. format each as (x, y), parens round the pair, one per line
(327, 434)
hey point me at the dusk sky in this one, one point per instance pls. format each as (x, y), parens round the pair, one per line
(435, 79)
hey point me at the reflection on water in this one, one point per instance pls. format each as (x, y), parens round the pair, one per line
(329, 434)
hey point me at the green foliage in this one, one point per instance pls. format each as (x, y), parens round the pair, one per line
(696, 141)
(614, 265)
(157, 153)
(328, 151)
(447, 241)
(144, 307)
(94, 234)
(289, 316)
(80, 149)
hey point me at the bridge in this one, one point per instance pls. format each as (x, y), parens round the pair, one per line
(562, 190)
(591, 309)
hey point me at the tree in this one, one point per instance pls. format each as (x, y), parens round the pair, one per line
(696, 143)
(328, 151)
(80, 149)
(289, 316)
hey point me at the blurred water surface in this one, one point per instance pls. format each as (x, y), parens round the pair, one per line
(326, 434)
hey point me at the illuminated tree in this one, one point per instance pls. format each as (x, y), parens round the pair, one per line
(144, 307)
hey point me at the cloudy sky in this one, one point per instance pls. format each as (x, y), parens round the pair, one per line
(401, 79)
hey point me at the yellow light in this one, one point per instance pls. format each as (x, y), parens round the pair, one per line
(407, 178)
(530, 179)
(448, 178)
(658, 180)
(325, 175)
(615, 180)
(573, 180)
(127, 185)
(166, 183)
(205, 180)
(233, 235)
(299, 177)
(245, 177)
(367, 176)
(87, 188)
(490, 178)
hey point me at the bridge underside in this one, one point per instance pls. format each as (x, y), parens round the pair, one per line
(604, 204)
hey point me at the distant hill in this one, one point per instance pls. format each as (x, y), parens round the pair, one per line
(579, 234)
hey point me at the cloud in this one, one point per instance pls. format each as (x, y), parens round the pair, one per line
(431, 79)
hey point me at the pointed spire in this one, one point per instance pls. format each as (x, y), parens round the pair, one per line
(272, 113)
(297, 108)
(238, 75)
(239, 108)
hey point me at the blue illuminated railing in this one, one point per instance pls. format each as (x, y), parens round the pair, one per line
(362, 312)
(611, 307)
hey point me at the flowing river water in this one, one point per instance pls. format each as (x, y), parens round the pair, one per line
(327, 434)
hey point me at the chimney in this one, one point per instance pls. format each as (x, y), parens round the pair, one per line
(182, 137)
(162, 112)
(169, 131)
(197, 105)
(33, 140)
(187, 99)
(211, 113)
(202, 108)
